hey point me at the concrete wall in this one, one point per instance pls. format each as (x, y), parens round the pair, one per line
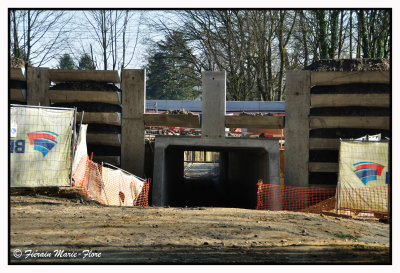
(322, 107)
(243, 162)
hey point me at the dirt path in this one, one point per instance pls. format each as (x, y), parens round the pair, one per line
(84, 231)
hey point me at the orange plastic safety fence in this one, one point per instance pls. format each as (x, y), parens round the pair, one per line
(94, 187)
(352, 201)
(281, 197)
(110, 186)
(81, 172)
(143, 199)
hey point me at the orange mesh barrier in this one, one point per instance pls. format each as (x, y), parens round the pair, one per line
(143, 199)
(94, 187)
(81, 172)
(281, 197)
(370, 200)
(110, 186)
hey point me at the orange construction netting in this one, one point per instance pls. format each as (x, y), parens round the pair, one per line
(281, 197)
(371, 200)
(109, 186)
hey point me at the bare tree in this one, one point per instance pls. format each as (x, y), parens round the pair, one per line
(110, 30)
(39, 36)
(97, 19)
(284, 35)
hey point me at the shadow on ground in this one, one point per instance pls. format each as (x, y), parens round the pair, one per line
(209, 254)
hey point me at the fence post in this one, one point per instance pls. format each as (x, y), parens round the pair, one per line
(37, 82)
(297, 128)
(133, 85)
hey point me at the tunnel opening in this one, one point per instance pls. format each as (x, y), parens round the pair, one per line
(214, 176)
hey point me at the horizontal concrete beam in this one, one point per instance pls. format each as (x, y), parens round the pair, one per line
(365, 122)
(336, 78)
(62, 96)
(343, 100)
(61, 75)
(324, 143)
(100, 118)
(267, 122)
(18, 95)
(189, 121)
(17, 74)
(104, 139)
(325, 167)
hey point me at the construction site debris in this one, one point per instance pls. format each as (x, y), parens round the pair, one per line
(369, 64)
(258, 114)
(178, 112)
(178, 236)
(17, 62)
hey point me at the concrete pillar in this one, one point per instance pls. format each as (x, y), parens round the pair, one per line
(297, 127)
(213, 104)
(159, 189)
(38, 83)
(133, 85)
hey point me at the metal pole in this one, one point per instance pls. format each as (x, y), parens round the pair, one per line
(73, 145)
(102, 184)
(125, 171)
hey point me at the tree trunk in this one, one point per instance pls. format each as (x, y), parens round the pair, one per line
(351, 35)
(16, 49)
(104, 36)
(304, 38)
(334, 33)
(322, 36)
(364, 35)
(341, 34)
(28, 42)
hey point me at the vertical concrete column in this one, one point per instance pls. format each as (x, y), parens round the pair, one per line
(213, 104)
(159, 175)
(38, 82)
(297, 127)
(133, 85)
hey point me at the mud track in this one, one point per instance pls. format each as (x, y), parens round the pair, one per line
(155, 235)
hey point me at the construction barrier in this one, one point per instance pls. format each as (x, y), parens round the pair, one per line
(370, 201)
(291, 198)
(40, 146)
(366, 200)
(108, 186)
(364, 176)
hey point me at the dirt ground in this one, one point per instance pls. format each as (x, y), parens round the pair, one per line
(83, 231)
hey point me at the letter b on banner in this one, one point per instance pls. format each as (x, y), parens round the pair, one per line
(17, 146)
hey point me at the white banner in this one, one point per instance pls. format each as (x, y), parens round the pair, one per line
(40, 146)
(363, 175)
(81, 148)
(120, 189)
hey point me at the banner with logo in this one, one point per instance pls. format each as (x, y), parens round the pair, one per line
(363, 175)
(40, 146)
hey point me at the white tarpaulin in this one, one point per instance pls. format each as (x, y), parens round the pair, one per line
(40, 146)
(363, 175)
(120, 189)
(81, 148)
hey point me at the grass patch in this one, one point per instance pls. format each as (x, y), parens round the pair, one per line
(346, 236)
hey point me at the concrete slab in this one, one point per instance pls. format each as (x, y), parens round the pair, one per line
(213, 104)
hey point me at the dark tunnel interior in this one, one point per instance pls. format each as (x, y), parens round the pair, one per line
(223, 177)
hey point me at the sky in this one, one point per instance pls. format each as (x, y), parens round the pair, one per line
(82, 36)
